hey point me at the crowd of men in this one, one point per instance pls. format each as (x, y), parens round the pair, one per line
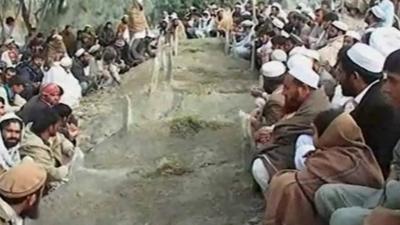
(42, 82)
(326, 123)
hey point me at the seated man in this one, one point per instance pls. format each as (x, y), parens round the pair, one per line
(335, 34)
(341, 157)
(31, 72)
(49, 96)
(21, 189)
(361, 75)
(80, 69)
(60, 74)
(243, 48)
(348, 204)
(11, 128)
(11, 91)
(11, 55)
(7, 74)
(303, 101)
(272, 78)
(37, 145)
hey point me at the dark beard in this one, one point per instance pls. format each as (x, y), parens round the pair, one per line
(292, 104)
(11, 144)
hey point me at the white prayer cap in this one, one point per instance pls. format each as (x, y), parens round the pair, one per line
(340, 25)
(305, 75)
(247, 23)
(378, 12)
(385, 39)
(299, 60)
(353, 34)
(66, 62)
(273, 69)
(80, 52)
(279, 55)
(285, 34)
(174, 16)
(9, 41)
(278, 23)
(95, 48)
(246, 13)
(366, 57)
(296, 50)
(277, 5)
(57, 36)
(214, 6)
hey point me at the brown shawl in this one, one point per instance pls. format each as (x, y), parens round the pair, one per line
(137, 20)
(343, 157)
(280, 153)
(226, 23)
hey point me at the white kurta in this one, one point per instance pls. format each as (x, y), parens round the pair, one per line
(66, 80)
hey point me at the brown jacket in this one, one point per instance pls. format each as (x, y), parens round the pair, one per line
(69, 42)
(281, 153)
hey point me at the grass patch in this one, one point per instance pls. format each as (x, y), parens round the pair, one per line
(189, 126)
(193, 50)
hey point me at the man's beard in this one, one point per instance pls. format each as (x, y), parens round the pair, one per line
(292, 104)
(10, 143)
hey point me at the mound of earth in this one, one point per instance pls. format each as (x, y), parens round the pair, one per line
(180, 163)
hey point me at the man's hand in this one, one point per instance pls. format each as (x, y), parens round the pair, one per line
(73, 130)
(264, 135)
(256, 92)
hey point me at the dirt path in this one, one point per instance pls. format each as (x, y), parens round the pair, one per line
(182, 161)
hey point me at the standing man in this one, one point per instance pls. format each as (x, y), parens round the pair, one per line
(21, 189)
(138, 28)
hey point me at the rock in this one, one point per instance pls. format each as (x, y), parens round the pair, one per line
(79, 194)
(254, 221)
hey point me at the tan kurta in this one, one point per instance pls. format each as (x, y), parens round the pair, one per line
(361, 5)
(226, 23)
(330, 51)
(343, 157)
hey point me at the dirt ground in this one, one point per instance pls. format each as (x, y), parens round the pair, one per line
(181, 163)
